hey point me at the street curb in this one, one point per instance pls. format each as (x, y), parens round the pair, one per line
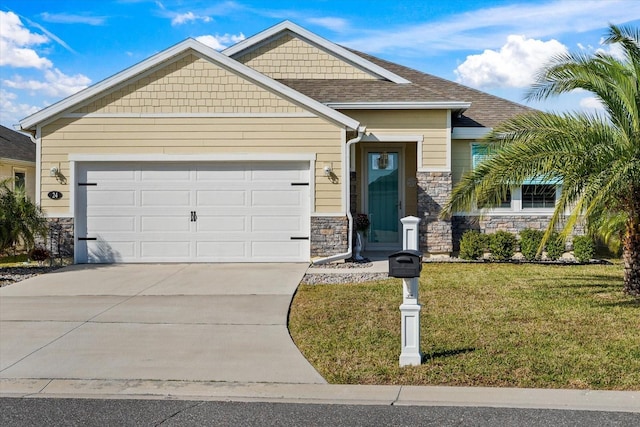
(582, 400)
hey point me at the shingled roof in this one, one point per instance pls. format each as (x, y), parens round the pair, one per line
(486, 110)
(16, 146)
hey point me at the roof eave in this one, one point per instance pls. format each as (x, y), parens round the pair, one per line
(345, 54)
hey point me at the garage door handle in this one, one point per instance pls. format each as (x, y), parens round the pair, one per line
(194, 216)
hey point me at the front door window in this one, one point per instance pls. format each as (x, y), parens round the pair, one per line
(383, 201)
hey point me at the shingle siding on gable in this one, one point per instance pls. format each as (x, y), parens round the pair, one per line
(191, 85)
(291, 58)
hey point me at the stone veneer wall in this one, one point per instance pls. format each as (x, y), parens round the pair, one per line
(511, 223)
(59, 237)
(328, 235)
(434, 189)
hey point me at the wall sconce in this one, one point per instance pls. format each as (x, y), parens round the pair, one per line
(54, 171)
(328, 170)
(383, 160)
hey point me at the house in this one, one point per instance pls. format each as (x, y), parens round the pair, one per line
(18, 160)
(263, 153)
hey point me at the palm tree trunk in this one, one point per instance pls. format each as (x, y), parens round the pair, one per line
(631, 256)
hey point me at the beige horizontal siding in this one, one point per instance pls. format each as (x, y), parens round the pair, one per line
(460, 158)
(289, 57)
(180, 136)
(430, 124)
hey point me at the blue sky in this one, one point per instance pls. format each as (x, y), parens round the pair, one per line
(50, 49)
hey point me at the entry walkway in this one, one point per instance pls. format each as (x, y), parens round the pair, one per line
(193, 322)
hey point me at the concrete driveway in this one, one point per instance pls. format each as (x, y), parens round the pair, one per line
(195, 322)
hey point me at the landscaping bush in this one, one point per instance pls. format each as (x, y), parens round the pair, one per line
(555, 246)
(502, 245)
(472, 245)
(39, 254)
(530, 240)
(583, 248)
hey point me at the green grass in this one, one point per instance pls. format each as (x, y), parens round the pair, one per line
(481, 325)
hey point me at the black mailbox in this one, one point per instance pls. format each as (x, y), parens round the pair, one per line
(405, 264)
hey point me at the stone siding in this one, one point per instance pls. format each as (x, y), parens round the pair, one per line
(511, 223)
(329, 235)
(434, 188)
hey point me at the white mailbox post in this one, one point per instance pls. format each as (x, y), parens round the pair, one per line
(410, 309)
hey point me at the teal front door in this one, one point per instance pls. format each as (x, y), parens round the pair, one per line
(383, 203)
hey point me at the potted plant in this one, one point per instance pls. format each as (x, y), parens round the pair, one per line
(361, 224)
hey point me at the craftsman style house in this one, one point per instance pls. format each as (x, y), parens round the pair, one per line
(263, 153)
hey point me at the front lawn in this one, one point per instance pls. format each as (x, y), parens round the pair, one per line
(482, 325)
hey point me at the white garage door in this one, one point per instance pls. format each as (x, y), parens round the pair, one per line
(205, 212)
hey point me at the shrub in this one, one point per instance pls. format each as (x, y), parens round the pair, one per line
(583, 248)
(555, 246)
(530, 240)
(472, 245)
(502, 245)
(39, 254)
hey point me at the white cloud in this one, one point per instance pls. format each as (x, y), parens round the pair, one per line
(332, 23)
(218, 42)
(67, 18)
(488, 28)
(55, 83)
(514, 65)
(16, 42)
(10, 111)
(591, 103)
(183, 18)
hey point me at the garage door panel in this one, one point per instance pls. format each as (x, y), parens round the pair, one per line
(142, 212)
(169, 250)
(168, 198)
(112, 223)
(111, 198)
(275, 198)
(221, 223)
(291, 223)
(177, 223)
(225, 198)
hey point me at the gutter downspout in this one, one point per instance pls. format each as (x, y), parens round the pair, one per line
(346, 169)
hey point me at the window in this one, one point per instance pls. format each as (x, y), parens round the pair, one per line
(535, 193)
(20, 180)
(538, 196)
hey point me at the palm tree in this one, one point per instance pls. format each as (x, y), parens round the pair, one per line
(595, 157)
(20, 219)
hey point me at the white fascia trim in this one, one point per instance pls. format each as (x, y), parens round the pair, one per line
(446, 105)
(296, 30)
(470, 133)
(177, 51)
(222, 157)
(186, 115)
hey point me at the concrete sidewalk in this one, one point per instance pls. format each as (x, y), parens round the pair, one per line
(584, 400)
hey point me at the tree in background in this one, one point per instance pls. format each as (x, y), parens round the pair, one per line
(595, 157)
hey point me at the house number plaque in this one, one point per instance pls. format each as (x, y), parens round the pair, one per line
(55, 195)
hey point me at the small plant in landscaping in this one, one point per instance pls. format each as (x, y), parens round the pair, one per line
(472, 245)
(502, 245)
(583, 248)
(361, 223)
(555, 246)
(39, 254)
(530, 240)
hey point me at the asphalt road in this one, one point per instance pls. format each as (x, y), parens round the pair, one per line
(95, 412)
